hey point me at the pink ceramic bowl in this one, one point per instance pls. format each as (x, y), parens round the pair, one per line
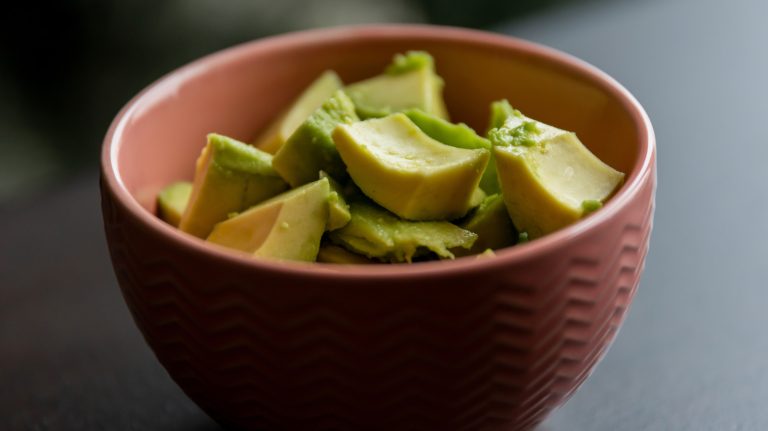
(470, 344)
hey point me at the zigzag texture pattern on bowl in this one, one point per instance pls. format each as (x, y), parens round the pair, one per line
(486, 344)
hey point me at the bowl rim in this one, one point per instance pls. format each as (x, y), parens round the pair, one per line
(639, 174)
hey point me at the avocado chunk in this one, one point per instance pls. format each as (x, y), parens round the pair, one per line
(478, 196)
(460, 136)
(546, 174)
(401, 168)
(492, 225)
(286, 227)
(310, 148)
(308, 101)
(488, 253)
(456, 135)
(590, 206)
(172, 200)
(410, 61)
(409, 82)
(330, 253)
(230, 176)
(379, 234)
(500, 111)
(338, 210)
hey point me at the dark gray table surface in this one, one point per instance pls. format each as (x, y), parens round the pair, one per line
(693, 354)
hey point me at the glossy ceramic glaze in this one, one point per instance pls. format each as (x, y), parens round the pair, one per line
(470, 344)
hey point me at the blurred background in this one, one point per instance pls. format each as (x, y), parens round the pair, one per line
(67, 67)
(692, 353)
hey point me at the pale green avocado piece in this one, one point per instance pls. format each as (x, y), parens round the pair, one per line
(410, 61)
(492, 225)
(460, 136)
(488, 253)
(320, 90)
(338, 210)
(500, 111)
(478, 196)
(378, 234)
(311, 149)
(456, 135)
(547, 174)
(409, 82)
(330, 253)
(172, 200)
(230, 176)
(401, 168)
(590, 206)
(286, 227)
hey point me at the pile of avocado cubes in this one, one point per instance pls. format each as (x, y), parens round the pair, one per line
(374, 172)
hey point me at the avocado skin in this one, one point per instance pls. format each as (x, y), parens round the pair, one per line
(311, 149)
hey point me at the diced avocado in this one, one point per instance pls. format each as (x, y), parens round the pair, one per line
(456, 135)
(492, 225)
(377, 233)
(478, 196)
(407, 172)
(287, 227)
(172, 200)
(310, 149)
(590, 206)
(308, 101)
(410, 61)
(409, 82)
(486, 254)
(330, 253)
(460, 136)
(546, 173)
(500, 111)
(230, 176)
(338, 210)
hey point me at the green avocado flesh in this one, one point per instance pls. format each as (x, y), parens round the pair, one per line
(547, 175)
(409, 82)
(373, 172)
(501, 110)
(379, 234)
(457, 135)
(287, 227)
(330, 253)
(492, 225)
(320, 90)
(172, 200)
(338, 210)
(407, 172)
(230, 176)
(311, 149)
(410, 61)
